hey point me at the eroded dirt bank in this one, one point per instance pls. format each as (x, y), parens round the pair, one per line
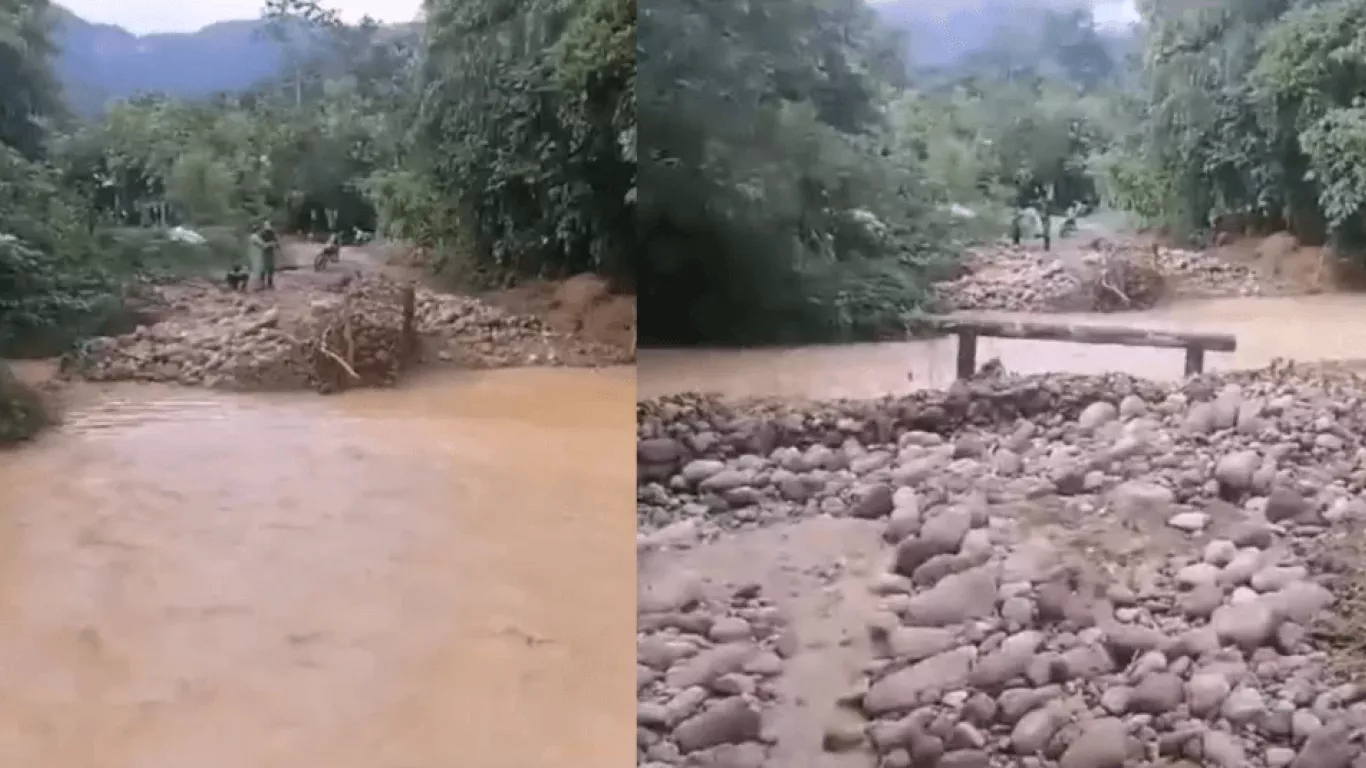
(1072, 571)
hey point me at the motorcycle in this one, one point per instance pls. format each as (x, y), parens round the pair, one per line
(330, 254)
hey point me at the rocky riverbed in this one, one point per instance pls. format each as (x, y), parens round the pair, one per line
(1082, 572)
(1028, 279)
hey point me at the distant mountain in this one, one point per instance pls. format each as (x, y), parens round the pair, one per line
(99, 62)
(945, 33)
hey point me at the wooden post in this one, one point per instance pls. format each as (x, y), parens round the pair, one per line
(409, 323)
(967, 354)
(1195, 360)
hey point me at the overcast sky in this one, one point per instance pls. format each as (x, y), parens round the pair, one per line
(143, 16)
(1108, 12)
(1115, 11)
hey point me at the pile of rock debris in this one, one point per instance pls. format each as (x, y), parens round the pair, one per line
(1083, 572)
(346, 334)
(1100, 276)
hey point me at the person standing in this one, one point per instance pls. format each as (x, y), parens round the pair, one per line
(264, 246)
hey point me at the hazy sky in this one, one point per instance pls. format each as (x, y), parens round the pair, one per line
(143, 16)
(1108, 12)
(1115, 11)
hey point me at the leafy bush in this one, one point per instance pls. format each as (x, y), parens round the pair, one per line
(58, 282)
(49, 281)
(128, 252)
(527, 132)
(773, 206)
(46, 309)
(22, 410)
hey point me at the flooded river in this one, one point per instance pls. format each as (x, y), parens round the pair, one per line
(1330, 327)
(428, 577)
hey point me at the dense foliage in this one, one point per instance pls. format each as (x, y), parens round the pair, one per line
(795, 176)
(1252, 119)
(761, 172)
(526, 131)
(797, 183)
(500, 135)
(30, 96)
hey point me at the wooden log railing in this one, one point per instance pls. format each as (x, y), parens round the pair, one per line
(969, 330)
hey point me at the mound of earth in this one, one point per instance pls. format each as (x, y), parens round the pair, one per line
(1071, 571)
(322, 332)
(1306, 268)
(479, 333)
(1100, 276)
(216, 338)
(583, 305)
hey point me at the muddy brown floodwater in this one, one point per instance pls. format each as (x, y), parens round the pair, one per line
(1327, 327)
(417, 578)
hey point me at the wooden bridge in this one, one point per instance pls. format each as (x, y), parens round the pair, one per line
(969, 330)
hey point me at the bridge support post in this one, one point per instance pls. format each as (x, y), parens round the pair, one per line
(967, 354)
(1195, 360)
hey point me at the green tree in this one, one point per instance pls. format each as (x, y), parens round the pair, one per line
(1251, 116)
(30, 98)
(1310, 81)
(772, 206)
(1205, 140)
(201, 186)
(526, 129)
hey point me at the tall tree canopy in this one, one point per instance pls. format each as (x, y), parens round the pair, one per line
(797, 182)
(770, 203)
(1252, 117)
(30, 98)
(526, 130)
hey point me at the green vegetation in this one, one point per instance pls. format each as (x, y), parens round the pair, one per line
(526, 133)
(1254, 119)
(801, 182)
(807, 169)
(23, 413)
(499, 135)
(799, 162)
